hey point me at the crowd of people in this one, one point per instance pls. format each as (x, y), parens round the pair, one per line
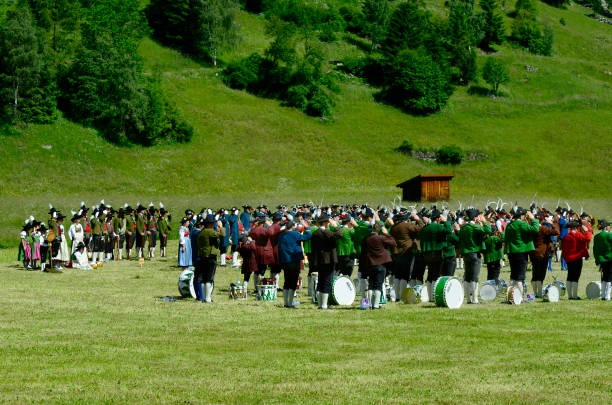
(96, 235)
(332, 240)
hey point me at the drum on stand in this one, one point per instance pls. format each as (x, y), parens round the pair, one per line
(185, 284)
(448, 292)
(551, 293)
(593, 290)
(266, 292)
(342, 291)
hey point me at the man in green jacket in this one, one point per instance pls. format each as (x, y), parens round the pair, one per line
(518, 240)
(163, 228)
(450, 259)
(471, 238)
(345, 247)
(208, 249)
(602, 250)
(130, 226)
(140, 230)
(433, 240)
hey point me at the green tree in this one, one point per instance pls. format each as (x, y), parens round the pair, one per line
(493, 27)
(416, 83)
(495, 74)
(21, 62)
(285, 38)
(376, 17)
(60, 19)
(409, 27)
(464, 33)
(220, 26)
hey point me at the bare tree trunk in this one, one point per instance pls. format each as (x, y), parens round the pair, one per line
(15, 97)
(215, 56)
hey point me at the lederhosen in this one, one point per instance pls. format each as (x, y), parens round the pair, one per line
(108, 238)
(153, 235)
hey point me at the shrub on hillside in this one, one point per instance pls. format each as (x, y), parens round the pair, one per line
(353, 18)
(244, 74)
(371, 68)
(416, 83)
(406, 148)
(449, 155)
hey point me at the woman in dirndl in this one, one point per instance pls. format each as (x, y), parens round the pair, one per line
(184, 253)
(63, 254)
(25, 249)
(35, 243)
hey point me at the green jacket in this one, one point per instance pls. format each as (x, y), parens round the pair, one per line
(208, 242)
(151, 223)
(518, 236)
(452, 241)
(129, 223)
(117, 224)
(96, 226)
(140, 223)
(361, 231)
(162, 225)
(493, 248)
(471, 237)
(344, 245)
(307, 246)
(433, 236)
(602, 247)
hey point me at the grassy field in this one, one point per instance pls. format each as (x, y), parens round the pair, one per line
(105, 336)
(551, 133)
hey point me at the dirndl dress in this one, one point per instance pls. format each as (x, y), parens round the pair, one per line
(184, 258)
(63, 254)
(36, 248)
(25, 251)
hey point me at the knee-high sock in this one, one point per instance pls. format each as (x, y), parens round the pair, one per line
(397, 288)
(235, 262)
(475, 291)
(540, 288)
(412, 282)
(309, 293)
(608, 288)
(285, 297)
(208, 292)
(363, 287)
(323, 300)
(534, 285)
(429, 292)
(376, 298)
(467, 287)
(290, 295)
(223, 259)
(109, 256)
(256, 282)
(369, 296)
(276, 278)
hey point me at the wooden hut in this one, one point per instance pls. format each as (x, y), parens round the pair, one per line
(427, 187)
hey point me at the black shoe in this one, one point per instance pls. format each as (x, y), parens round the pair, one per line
(577, 298)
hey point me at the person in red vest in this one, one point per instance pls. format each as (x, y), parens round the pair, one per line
(574, 249)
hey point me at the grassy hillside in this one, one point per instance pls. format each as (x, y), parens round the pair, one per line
(550, 134)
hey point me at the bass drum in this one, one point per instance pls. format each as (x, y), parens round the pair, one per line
(551, 293)
(342, 291)
(185, 284)
(593, 290)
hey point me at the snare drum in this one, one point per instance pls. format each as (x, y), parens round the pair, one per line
(237, 292)
(266, 292)
(593, 290)
(551, 293)
(514, 296)
(185, 284)
(342, 291)
(561, 286)
(448, 292)
(488, 292)
(415, 295)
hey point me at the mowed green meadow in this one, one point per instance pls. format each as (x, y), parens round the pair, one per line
(551, 134)
(106, 336)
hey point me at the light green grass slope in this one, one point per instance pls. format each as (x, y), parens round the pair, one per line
(551, 134)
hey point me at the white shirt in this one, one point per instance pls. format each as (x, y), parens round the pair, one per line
(81, 258)
(75, 233)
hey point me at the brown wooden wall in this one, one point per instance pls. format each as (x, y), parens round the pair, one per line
(435, 190)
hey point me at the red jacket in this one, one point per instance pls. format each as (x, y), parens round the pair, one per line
(263, 251)
(575, 246)
(249, 261)
(377, 246)
(273, 231)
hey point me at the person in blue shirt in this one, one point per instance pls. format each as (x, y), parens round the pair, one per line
(234, 233)
(245, 218)
(563, 231)
(290, 255)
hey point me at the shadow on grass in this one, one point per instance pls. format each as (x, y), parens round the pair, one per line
(479, 91)
(358, 42)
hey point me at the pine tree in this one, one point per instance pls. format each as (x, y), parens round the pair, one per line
(493, 24)
(20, 61)
(409, 27)
(376, 16)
